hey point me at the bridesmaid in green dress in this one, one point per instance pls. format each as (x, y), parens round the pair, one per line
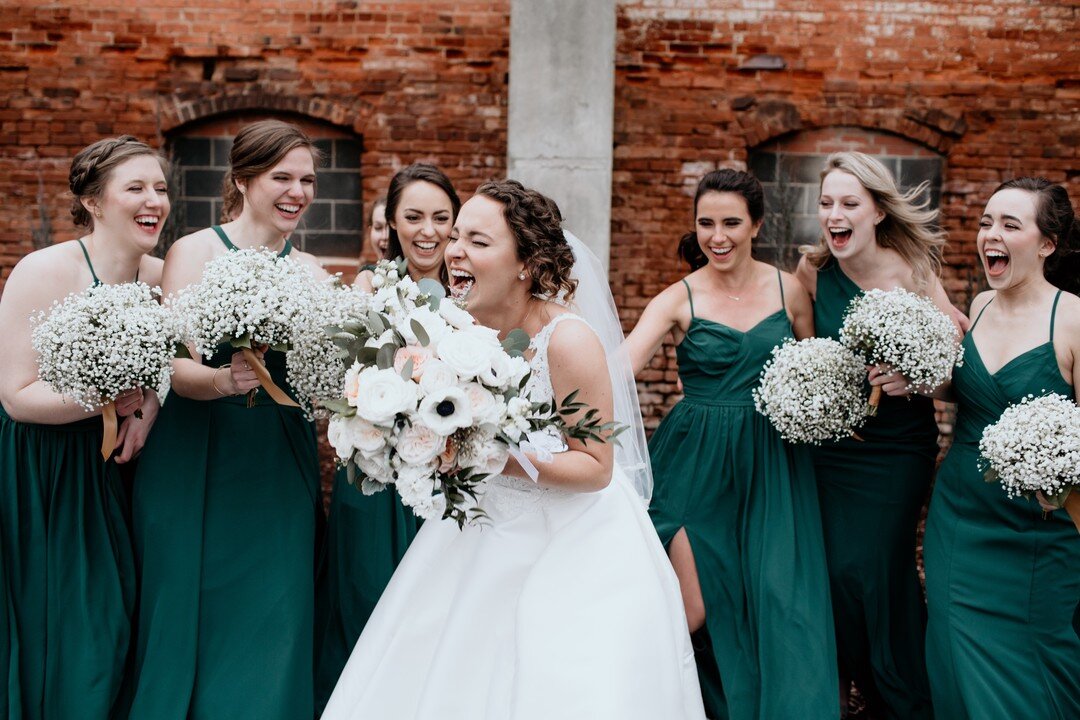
(872, 489)
(368, 535)
(67, 575)
(226, 500)
(734, 504)
(1002, 580)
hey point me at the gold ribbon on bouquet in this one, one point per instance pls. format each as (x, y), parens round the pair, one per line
(108, 440)
(265, 380)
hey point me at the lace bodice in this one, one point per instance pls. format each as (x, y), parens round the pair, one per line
(508, 496)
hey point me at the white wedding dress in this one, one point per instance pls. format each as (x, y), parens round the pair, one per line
(563, 606)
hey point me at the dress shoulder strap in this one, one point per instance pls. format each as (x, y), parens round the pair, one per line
(690, 297)
(979, 317)
(780, 281)
(1053, 315)
(540, 340)
(91, 265)
(224, 238)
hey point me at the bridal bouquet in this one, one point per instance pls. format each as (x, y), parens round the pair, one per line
(905, 331)
(1035, 445)
(247, 298)
(434, 404)
(811, 390)
(94, 345)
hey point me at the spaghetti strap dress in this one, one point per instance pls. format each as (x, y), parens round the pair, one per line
(67, 572)
(750, 510)
(1002, 581)
(872, 492)
(226, 512)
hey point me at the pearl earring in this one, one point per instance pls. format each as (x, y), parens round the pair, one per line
(521, 275)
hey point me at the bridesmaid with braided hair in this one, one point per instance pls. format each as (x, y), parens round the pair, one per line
(67, 573)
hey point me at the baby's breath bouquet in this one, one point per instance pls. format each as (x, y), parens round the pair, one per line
(434, 404)
(96, 344)
(905, 331)
(247, 298)
(811, 390)
(315, 365)
(1035, 446)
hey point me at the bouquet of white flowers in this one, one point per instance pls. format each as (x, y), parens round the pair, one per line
(433, 402)
(247, 298)
(1035, 446)
(905, 331)
(811, 391)
(315, 365)
(96, 344)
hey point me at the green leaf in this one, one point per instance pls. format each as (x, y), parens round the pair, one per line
(406, 372)
(432, 288)
(419, 332)
(375, 320)
(516, 342)
(366, 355)
(384, 359)
(339, 406)
(351, 471)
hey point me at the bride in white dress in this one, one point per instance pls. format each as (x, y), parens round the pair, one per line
(563, 604)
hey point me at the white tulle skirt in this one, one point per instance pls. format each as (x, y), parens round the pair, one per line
(563, 606)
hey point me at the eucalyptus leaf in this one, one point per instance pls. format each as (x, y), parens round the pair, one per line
(384, 359)
(339, 406)
(432, 288)
(516, 342)
(406, 371)
(419, 332)
(375, 320)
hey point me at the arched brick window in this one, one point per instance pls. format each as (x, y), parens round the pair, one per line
(789, 168)
(332, 227)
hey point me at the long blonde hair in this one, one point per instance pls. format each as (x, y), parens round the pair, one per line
(909, 227)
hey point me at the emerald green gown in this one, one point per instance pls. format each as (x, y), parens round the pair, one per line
(367, 537)
(226, 517)
(1002, 582)
(67, 572)
(872, 492)
(749, 507)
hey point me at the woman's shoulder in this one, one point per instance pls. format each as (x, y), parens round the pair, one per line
(980, 301)
(62, 263)
(1067, 316)
(150, 269)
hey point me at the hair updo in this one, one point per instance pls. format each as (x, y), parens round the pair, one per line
(258, 147)
(93, 165)
(1056, 220)
(536, 223)
(725, 180)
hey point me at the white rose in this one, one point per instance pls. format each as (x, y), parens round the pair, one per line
(467, 357)
(455, 315)
(437, 376)
(383, 394)
(435, 327)
(446, 410)
(419, 445)
(519, 368)
(486, 407)
(349, 434)
(376, 467)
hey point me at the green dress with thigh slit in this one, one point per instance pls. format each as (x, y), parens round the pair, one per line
(226, 515)
(749, 507)
(67, 572)
(1002, 581)
(872, 492)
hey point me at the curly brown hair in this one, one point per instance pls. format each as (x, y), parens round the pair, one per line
(92, 167)
(536, 223)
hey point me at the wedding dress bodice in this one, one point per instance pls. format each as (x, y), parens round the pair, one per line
(508, 496)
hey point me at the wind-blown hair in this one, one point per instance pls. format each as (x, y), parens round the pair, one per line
(909, 227)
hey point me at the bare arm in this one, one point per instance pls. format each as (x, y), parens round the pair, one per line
(806, 274)
(24, 396)
(799, 307)
(572, 357)
(363, 280)
(661, 316)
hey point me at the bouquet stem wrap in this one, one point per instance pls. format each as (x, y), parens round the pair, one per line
(875, 398)
(266, 381)
(108, 440)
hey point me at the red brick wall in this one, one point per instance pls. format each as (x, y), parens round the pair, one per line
(992, 86)
(414, 80)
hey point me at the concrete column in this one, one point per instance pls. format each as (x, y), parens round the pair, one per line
(562, 99)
